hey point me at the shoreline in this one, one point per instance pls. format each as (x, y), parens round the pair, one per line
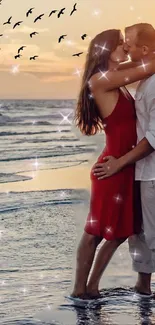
(75, 177)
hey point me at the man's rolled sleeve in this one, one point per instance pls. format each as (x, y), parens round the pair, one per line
(150, 133)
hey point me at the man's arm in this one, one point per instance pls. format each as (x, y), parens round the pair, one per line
(142, 150)
(147, 145)
(127, 65)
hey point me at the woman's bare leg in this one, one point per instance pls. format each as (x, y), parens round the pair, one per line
(104, 255)
(85, 255)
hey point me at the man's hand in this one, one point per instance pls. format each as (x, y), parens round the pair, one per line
(109, 167)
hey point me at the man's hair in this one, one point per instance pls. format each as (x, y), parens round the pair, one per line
(145, 34)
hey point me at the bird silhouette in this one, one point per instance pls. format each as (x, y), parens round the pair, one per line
(21, 48)
(33, 57)
(61, 37)
(61, 12)
(77, 54)
(29, 12)
(84, 36)
(52, 12)
(17, 56)
(33, 33)
(17, 24)
(74, 9)
(8, 22)
(38, 18)
(1, 35)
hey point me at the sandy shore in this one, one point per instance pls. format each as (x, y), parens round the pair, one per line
(72, 177)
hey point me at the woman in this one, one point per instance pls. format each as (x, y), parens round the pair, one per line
(113, 213)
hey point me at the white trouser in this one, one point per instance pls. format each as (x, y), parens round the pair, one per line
(142, 246)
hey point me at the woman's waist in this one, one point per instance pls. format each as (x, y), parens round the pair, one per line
(115, 152)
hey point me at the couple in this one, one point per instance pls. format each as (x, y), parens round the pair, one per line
(122, 204)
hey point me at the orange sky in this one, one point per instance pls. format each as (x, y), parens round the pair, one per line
(52, 74)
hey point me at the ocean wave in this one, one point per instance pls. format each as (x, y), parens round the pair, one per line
(10, 133)
(25, 200)
(62, 152)
(11, 177)
(46, 140)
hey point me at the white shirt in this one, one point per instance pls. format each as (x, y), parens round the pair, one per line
(145, 111)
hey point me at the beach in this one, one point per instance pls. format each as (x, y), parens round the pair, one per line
(63, 178)
(45, 194)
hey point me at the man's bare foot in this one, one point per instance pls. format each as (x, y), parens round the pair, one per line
(142, 290)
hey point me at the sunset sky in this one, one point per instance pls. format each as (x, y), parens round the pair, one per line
(53, 73)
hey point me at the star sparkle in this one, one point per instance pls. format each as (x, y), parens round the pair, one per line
(69, 43)
(118, 198)
(15, 69)
(91, 220)
(78, 72)
(96, 12)
(135, 254)
(65, 118)
(103, 75)
(90, 96)
(143, 65)
(102, 47)
(108, 230)
(126, 79)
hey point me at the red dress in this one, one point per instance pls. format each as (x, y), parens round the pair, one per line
(115, 207)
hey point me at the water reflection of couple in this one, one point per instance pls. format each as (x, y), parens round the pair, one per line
(143, 315)
(119, 186)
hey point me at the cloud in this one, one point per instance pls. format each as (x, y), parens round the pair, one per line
(56, 76)
(26, 29)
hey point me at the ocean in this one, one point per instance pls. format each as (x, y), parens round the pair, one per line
(39, 230)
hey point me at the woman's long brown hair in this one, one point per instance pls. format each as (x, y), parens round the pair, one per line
(87, 117)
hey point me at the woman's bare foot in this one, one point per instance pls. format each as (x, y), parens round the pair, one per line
(79, 295)
(93, 293)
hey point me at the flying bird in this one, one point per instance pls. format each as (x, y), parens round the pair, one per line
(61, 37)
(77, 54)
(29, 12)
(33, 57)
(39, 17)
(21, 48)
(17, 24)
(52, 12)
(17, 56)
(61, 12)
(84, 36)
(8, 22)
(33, 33)
(74, 9)
(1, 35)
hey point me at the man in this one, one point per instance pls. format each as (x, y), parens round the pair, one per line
(142, 247)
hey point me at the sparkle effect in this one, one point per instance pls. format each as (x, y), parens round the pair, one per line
(143, 65)
(135, 254)
(15, 69)
(65, 118)
(91, 221)
(108, 230)
(103, 75)
(96, 12)
(127, 79)
(118, 198)
(90, 96)
(78, 72)
(103, 48)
